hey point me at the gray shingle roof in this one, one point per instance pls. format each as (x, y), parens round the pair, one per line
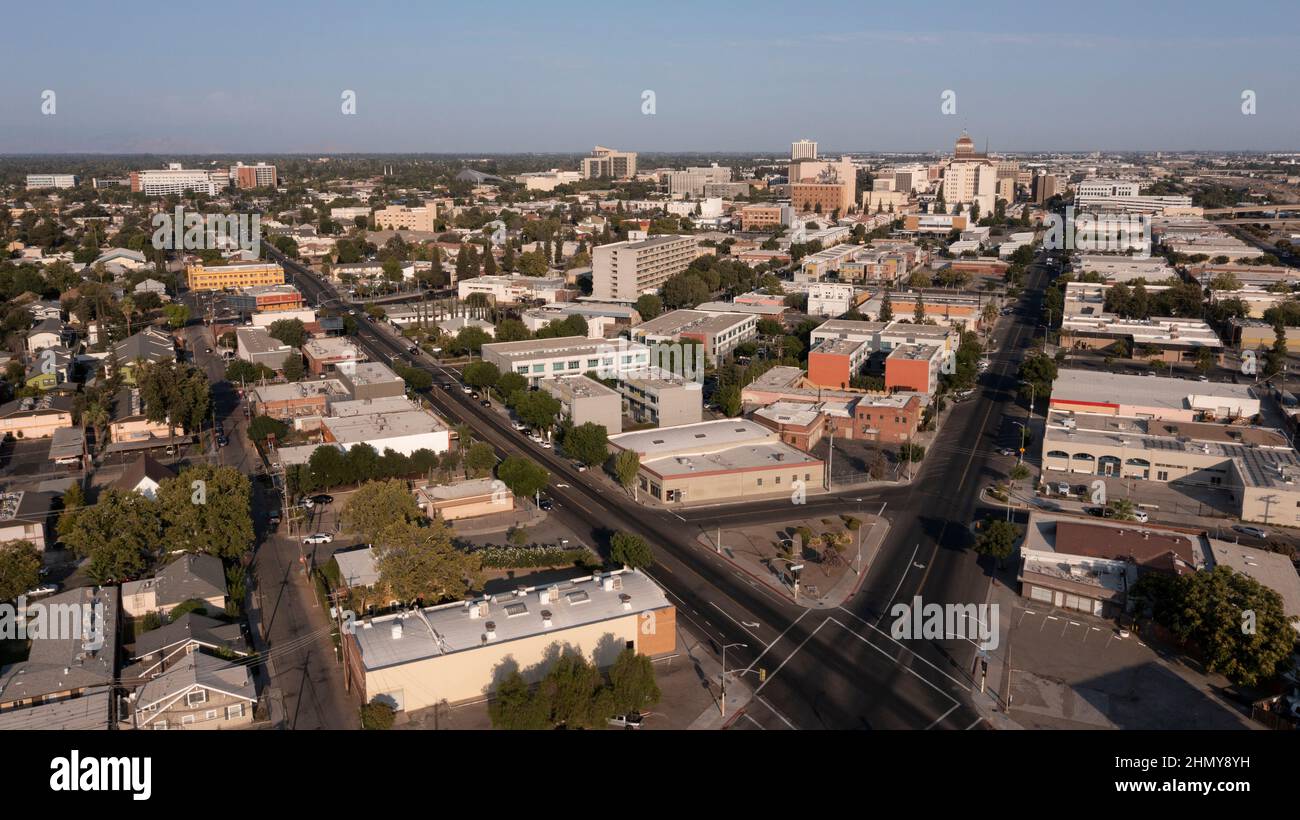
(191, 627)
(191, 576)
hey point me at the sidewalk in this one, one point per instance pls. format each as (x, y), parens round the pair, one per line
(739, 693)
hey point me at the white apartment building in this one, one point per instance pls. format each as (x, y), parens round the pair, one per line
(175, 179)
(830, 299)
(803, 149)
(537, 359)
(622, 271)
(719, 332)
(51, 181)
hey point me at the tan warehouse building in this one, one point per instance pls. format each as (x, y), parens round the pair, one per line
(458, 652)
(727, 459)
(203, 278)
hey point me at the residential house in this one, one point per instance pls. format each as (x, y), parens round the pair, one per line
(199, 692)
(143, 476)
(189, 577)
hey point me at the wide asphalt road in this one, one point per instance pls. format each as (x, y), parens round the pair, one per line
(825, 669)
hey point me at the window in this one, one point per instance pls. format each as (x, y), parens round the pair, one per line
(1162, 475)
(236, 711)
(160, 725)
(211, 715)
(196, 698)
(187, 720)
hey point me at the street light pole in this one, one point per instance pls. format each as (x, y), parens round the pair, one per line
(722, 701)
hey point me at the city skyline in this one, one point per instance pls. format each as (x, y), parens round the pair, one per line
(528, 81)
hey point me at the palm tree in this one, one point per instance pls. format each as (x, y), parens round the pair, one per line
(127, 306)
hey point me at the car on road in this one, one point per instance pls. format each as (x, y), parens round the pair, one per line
(545, 504)
(1141, 516)
(1006, 451)
(413, 350)
(1254, 532)
(629, 721)
(486, 403)
(1099, 512)
(273, 519)
(466, 389)
(318, 538)
(42, 590)
(322, 498)
(582, 468)
(207, 350)
(520, 426)
(222, 440)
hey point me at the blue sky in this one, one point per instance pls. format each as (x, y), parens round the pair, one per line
(728, 76)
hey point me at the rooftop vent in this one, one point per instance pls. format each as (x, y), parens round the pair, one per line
(626, 600)
(546, 618)
(397, 630)
(611, 583)
(491, 631)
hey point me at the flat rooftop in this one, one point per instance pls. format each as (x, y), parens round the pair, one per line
(332, 347)
(359, 429)
(365, 373)
(1151, 391)
(297, 390)
(559, 346)
(677, 322)
(914, 352)
(576, 387)
(838, 347)
(405, 637)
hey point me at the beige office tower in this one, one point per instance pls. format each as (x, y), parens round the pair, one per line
(622, 271)
(606, 162)
(803, 149)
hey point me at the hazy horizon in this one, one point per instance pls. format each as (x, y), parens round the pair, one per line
(514, 78)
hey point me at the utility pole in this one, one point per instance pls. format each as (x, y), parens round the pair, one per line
(830, 459)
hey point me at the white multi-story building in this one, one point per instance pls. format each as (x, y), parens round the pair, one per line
(177, 180)
(803, 149)
(537, 359)
(691, 182)
(51, 181)
(830, 299)
(515, 288)
(1090, 188)
(622, 271)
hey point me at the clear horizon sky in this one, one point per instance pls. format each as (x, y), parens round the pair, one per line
(492, 77)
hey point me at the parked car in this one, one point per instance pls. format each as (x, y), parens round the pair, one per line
(1141, 516)
(545, 504)
(629, 721)
(1099, 512)
(1006, 451)
(485, 402)
(318, 538)
(222, 440)
(520, 426)
(466, 389)
(273, 519)
(1062, 488)
(1246, 529)
(322, 498)
(43, 590)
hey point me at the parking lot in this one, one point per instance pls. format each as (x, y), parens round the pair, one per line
(1073, 671)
